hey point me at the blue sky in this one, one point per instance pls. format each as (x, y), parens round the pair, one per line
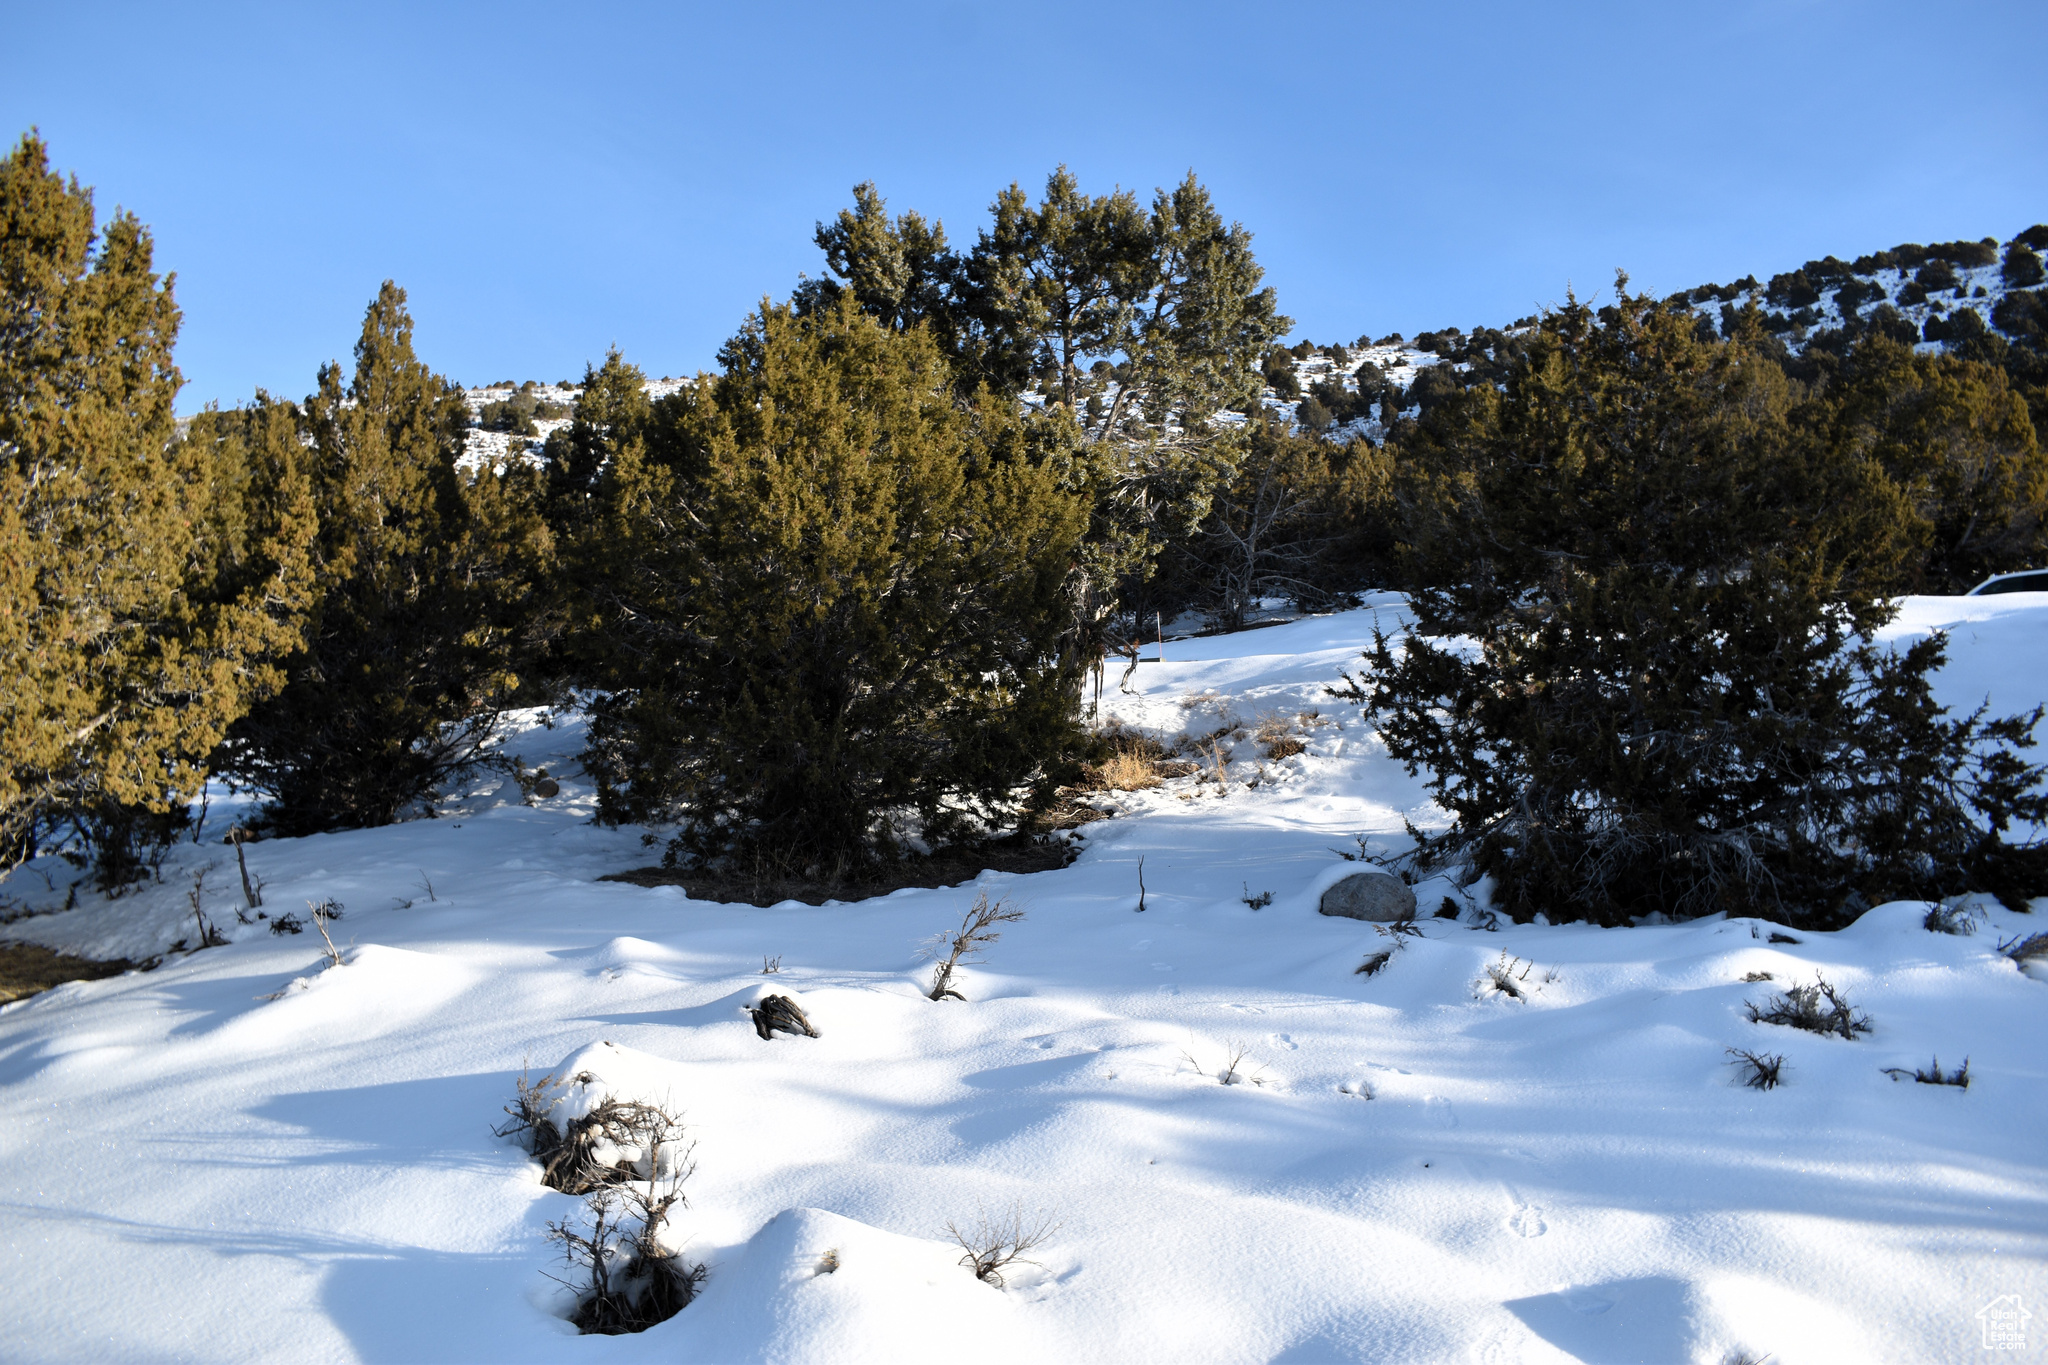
(546, 181)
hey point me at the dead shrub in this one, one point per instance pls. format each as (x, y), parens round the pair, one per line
(1949, 919)
(1509, 976)
(1818, 1008)
(2024, 950)
(977, 930)
(997, 1243)
(628, 1277)
(1761, 1070)
(1932, 1074)
(779, 1014)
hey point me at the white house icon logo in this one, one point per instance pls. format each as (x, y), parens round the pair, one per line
(2005, 1323)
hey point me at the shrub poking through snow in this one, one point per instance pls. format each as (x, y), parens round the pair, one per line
(626, 1275)
(1236, 1065)
(1932, 1074)
(977, 930)
(1949, 919)
(780, 1014)
(2022, 950)
(287, 923)
(1818, 1008)
(324, 911)
(1758, 976)
(1760, 1070)
(999, 1242)
(1400, 932)
(771, 965)
(1258, 902)
(1509, 976)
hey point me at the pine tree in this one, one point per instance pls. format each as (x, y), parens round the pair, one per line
(146, 584)
(842, 625)
(427, 576)
(1674, 706)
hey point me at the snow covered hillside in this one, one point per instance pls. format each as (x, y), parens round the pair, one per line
(239, 1155)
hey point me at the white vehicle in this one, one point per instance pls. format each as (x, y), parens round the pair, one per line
(2026, 580)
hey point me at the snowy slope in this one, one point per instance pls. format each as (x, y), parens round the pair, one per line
(192, 1171)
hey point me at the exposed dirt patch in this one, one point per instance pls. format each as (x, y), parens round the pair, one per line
(947, 867)
(26, 969)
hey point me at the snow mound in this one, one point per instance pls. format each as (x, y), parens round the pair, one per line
(814, 1286)
(605, 1072)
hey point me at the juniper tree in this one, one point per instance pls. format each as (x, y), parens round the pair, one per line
(426, 577)
(1671, 702)
(146, 584)
(1052, 289)
(1959, 447)
(840, 619)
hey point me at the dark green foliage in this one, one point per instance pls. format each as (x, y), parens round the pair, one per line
(147, 585)
(426, 576)
(2022, 268)
(1854, 293)
(1792, 290)
(1280, 376)
(1171, 298)
(1955, 446)
(1668, 573)
(842, 620)
(516, 414)
(1312, 415)
(1936, 275)
(2035, 237)
(1300, 518)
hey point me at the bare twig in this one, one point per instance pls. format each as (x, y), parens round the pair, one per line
(966, 944)
(209, 935)
(997, 1243)
(324, 911)
(252, 892)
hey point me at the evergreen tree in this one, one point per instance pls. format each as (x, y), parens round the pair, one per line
(1673, 705)
(1959, 448)
(146, 584)
(427, 577)
(839, 620)
(1299, 518)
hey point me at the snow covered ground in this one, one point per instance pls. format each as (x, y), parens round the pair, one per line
(1410, 1169)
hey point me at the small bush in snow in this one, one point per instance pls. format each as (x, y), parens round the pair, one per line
(287, 923)
(1258, 902)
(1949, 919)
(780, 1014)
(1819, 1008)
(1400, 933)
(1932, 1074)
(626, 1276)
(1760, 1069)
(997, 1243)
(2032, 948)
(1509, 976)
(977, 930)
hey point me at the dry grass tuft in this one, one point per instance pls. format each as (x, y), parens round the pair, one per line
(26, 969)
(1126, 770)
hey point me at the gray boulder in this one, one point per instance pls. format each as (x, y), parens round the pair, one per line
(1378, 896)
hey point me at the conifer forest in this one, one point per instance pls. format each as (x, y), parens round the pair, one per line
(1609, 678)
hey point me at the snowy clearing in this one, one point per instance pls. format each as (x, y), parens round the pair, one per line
(251, 1154)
